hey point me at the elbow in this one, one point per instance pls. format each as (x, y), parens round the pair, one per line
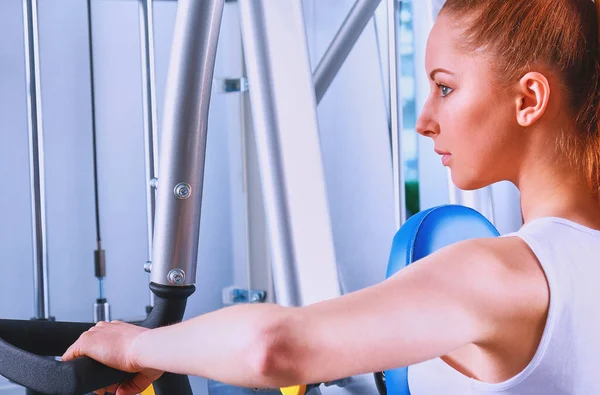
(278, 350)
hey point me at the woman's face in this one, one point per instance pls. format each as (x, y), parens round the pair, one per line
(470, 117)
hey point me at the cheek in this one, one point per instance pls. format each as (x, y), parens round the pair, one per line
(479, 134)
(470, 124)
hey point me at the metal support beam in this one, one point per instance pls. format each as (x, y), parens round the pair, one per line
(289, 154)
(342, 44)
(393, 9)
(146, 15)
(183, 143)
(36, 160)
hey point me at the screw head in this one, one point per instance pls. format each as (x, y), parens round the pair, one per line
(154, 183)
(176, 276)
(255, 297)
(183, 190)
(148, 267)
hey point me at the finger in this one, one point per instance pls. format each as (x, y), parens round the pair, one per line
(71, 353)
(75, 350)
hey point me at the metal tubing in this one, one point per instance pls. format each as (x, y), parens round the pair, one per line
(36, 160)
(341, 46)
(146, 14)
(183, 144)
(276, 210)
(289, 153)
(101, 311)
(393, 9)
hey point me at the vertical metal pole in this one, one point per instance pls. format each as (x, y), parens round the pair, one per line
(146, 14)
(393, 8)
(282, 248)
(259, 260)
(289, 153)
(183, 143)
(36, 160)
(382, 70)
(244, 134)
(101, 306)
(342, 44)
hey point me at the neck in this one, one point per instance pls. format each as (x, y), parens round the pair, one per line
(552, 190)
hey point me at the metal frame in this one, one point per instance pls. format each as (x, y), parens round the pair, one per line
(183, 144)
(394, 66)
(289, 154)
(285, 128)
(265, 68)
(264, 64)
(335, 56)
(259, 259)
(342, 44)
(36, 160)
(146, 17)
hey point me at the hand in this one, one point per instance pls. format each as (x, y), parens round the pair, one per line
(111, 344)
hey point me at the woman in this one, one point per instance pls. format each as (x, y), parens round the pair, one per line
(514, 96)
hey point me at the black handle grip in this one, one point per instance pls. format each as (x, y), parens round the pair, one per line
(81, 375)
(46, 338)
(49, 376)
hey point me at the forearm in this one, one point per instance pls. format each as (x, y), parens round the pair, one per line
(232, 345)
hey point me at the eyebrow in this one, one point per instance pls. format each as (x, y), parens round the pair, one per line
(435, 71)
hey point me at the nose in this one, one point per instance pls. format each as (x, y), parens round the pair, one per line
(426, 126)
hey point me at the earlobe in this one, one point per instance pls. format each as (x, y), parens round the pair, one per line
(533, 98)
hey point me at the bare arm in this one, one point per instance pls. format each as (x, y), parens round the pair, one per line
(454, 297)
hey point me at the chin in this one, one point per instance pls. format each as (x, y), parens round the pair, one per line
(468, 182)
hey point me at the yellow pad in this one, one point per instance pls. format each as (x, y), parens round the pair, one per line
(295, 390)
(148, 391)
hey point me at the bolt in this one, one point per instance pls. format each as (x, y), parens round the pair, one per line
(176, 276)
(183, 190)
(154, 183)
(255, 297)
(148, 267)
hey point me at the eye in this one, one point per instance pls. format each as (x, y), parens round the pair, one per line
(444, 89)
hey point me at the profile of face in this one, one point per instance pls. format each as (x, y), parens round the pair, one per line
(469, 115)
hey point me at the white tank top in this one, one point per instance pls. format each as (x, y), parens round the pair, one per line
(566, 361)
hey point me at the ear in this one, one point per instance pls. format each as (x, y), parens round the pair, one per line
(533, 97)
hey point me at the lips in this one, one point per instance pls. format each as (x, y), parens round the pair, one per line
(445, 159)
(446, 156)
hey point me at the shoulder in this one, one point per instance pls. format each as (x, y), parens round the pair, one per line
(498, 280)
(486, 259)
(497, 259)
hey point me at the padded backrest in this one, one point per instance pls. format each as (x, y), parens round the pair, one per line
(422, 234)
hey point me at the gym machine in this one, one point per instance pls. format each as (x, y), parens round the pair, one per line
(27, 347)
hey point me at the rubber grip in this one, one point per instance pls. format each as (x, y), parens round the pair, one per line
(80, 376)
